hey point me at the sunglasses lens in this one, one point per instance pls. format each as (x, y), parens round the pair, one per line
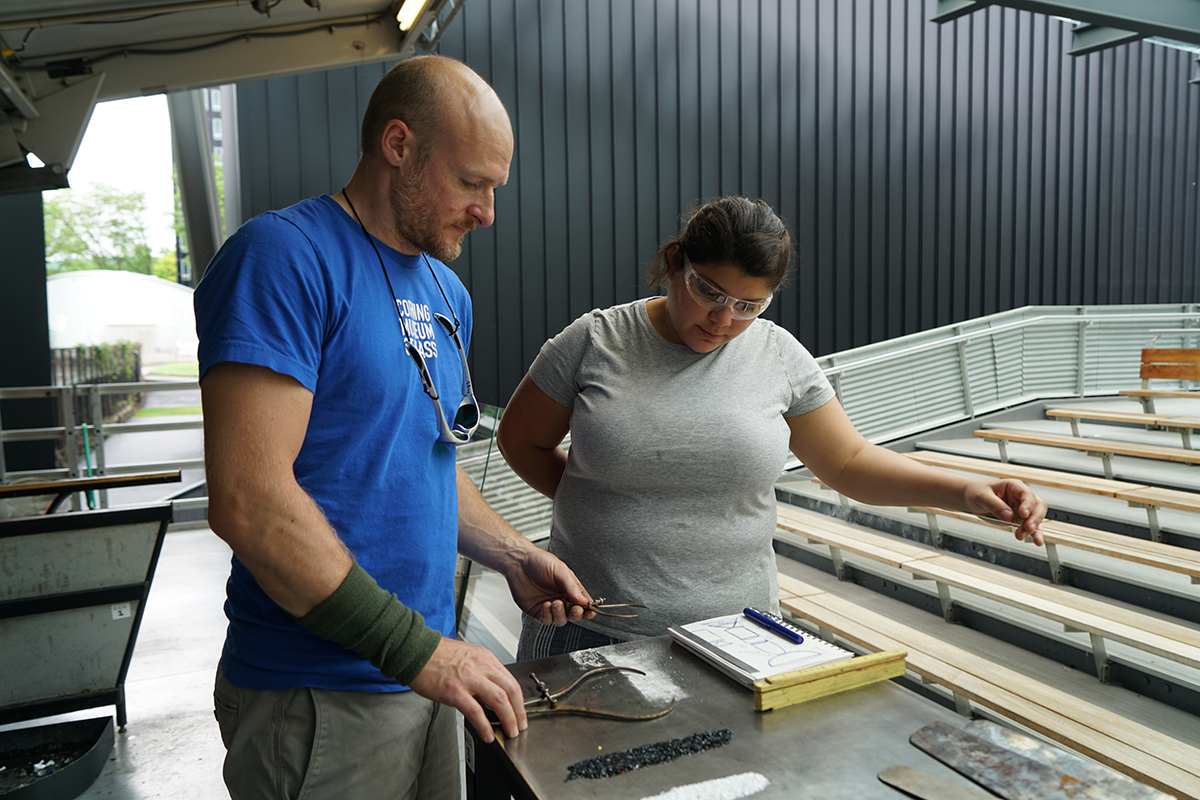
(467, 416)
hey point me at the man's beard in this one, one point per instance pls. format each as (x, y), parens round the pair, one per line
(417, 222)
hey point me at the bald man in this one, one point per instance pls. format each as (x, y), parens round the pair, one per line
(332, 363)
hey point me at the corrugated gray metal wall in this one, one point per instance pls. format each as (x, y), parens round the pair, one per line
(931, 173)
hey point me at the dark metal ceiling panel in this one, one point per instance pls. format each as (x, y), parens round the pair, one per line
(1171, 19)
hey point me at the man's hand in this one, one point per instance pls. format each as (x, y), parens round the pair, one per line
(546, 589)
(1011, 501)
(542, 585)
(468, 678)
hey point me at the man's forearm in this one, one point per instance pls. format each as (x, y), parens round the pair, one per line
(483, 535)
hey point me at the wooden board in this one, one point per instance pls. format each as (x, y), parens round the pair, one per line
(828, 679)
(1121, 490)
(1170, 372)
(97, 483)
(1185, 393)
(1130, 417)
(1126, 548)
(1167, 498)
(1035, 475)
(1171, 355)
(890, 550)
(1088, 613)
(1093, 444)
(1092, 614)
(1176, 559)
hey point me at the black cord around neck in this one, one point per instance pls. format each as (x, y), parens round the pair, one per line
(379, 255)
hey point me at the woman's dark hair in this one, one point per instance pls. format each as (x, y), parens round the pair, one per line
(732, 230)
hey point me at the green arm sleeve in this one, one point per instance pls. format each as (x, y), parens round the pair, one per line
(365, 618)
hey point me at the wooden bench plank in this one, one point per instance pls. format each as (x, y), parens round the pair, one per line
(1088, 609)
(1133, 493)
(1035, 475)
(1183, 393)
(1088, 613)
(839, 534)
(1092, 444)
(1172, 561)
(1146, 395)
(1127, 548)
(1166, 498)
(790, 587)
(1091, 615)
(1171, 355)
(1176, 424)
(1135, 750)
(1170, 372)
(1170, 363)
(1133, 418)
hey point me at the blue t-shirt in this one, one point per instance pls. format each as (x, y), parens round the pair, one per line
(301, 291)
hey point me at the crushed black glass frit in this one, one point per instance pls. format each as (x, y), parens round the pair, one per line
(648, 755)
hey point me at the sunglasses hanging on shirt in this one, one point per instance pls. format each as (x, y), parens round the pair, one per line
(466, 417)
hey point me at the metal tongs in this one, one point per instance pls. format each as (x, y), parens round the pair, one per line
(547, 702)
(598, 604)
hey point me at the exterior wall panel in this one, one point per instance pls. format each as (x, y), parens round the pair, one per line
(931, 173)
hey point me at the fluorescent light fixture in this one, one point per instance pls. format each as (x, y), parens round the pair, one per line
(410, 11)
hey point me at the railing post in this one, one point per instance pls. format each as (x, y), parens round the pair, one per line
(837, 382)
(1081, 365)
(96, 412)
(66, 411)
(1193, 323)
(3, 468)
(968, 402)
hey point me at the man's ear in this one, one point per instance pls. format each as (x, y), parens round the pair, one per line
(398, 144)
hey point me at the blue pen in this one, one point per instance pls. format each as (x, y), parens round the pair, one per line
(774, 624)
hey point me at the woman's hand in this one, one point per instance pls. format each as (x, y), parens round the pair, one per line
(1011, 501)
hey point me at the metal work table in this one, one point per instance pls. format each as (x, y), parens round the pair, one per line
(826, 749)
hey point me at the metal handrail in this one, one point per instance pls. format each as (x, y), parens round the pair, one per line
(70, 432)
(958, 362)
(991, 331)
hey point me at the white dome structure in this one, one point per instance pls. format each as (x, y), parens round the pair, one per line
(108, 306)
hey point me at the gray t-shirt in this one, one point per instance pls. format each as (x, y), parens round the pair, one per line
(668, 495)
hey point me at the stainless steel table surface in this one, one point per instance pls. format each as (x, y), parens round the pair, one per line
(825, 749)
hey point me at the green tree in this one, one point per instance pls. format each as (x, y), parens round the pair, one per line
(164, 266)
(96, 227)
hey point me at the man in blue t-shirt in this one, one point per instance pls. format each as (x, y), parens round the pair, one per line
(332, 363)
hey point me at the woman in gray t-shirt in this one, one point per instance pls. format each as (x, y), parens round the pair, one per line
(682, 409)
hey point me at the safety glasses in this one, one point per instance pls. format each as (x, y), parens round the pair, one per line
(466, 417)
(713, 298)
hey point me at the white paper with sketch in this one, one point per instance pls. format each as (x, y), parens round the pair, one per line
(747, 652)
